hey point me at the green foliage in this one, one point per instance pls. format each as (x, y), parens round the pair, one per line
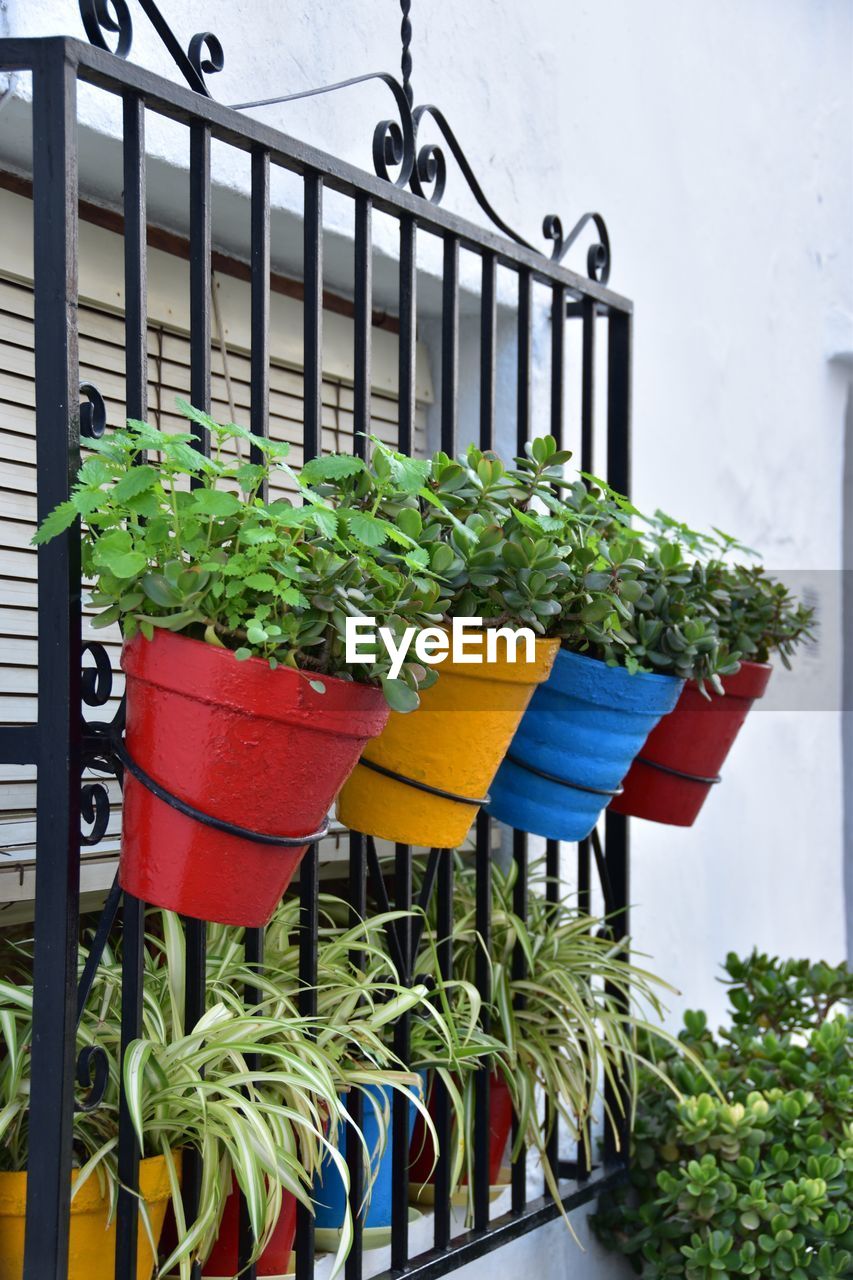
(556, 1029)
(755, 614)
(661, 622)
(190, 545)
(758, 1182)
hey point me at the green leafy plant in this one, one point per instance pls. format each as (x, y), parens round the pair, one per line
(494, 561)
(758, 1182)
(569, 1025)
(190, 544)
(259, 1093)
(636, 604)
(755, 615)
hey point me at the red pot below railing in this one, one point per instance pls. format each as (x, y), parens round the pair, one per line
(422, 1152)
(224, 1257)
(682, 757)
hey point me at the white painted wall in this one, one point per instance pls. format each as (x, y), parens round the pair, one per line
(718, 141)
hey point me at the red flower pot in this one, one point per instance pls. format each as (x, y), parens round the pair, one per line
(223, 1259)
(422, 1153)
(692, 740)
(275, 1259)
(254, 748)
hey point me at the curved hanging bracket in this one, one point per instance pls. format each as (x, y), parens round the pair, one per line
(204, 55)
(423, 169)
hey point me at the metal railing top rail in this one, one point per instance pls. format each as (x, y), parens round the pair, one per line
(115, 75)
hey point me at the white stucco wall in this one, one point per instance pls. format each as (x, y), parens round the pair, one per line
(717, 140)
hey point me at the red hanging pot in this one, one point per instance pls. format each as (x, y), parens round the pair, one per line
(260, 753)
(682, 757)
(422, 1153)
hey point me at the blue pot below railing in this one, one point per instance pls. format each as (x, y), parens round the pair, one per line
(328, 1192)
(576, 743)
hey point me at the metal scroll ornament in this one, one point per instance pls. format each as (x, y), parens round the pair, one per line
(105, 19)
(422, 168)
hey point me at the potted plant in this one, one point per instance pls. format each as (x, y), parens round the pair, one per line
(755, 616)
(423, 779)
(94, 1177)
(243, 716)
(357, 1006)
(758, 1181)
(262, 1126)
(252, 1091)
(630, 635)
(566, 1027)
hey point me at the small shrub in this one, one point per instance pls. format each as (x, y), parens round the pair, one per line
(758, 1181)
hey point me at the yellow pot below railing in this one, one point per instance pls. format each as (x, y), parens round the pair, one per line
(454, 743)
(92, 1240)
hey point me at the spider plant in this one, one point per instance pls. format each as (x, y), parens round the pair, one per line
(569, 1026)
(254, 1095)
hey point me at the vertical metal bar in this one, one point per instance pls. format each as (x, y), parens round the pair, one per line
(403, 855)
(200, 232)
(200, 282)
(309, 876)
(401, 1104)
(588, 314)
(619, 401)
(363, 321)
(58, 780)
(482, 1125)
(195, 932)
(552, 847)
(408, 333)
(309, 892)
(444, 945)
(619, 475)
(488, 325)
(587, 384)
(362, 352)
(519, 972)
(260, 296)
(558, 360)
(525, 303)
(253, 944)
(355, 1098)
(519, 838)
(450, 345)
(136, 403)
(313, 315)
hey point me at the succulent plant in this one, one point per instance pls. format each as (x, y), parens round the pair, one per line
(759, 1181)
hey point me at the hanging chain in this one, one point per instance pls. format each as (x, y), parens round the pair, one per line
(406, 59)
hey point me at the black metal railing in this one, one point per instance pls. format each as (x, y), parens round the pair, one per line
(59, 744)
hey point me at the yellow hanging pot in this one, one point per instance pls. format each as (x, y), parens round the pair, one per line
(92, 1239)
(446, 753)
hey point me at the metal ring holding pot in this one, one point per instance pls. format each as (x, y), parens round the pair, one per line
(422, 786)
(188, 810)
(677, 773)
(563, 782)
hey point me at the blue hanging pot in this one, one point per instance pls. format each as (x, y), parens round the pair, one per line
(575, 744)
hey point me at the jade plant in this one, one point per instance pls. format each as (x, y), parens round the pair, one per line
(496, 560)
(191, 544)
(636, 607)
(755, 614)
(758, 1182)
